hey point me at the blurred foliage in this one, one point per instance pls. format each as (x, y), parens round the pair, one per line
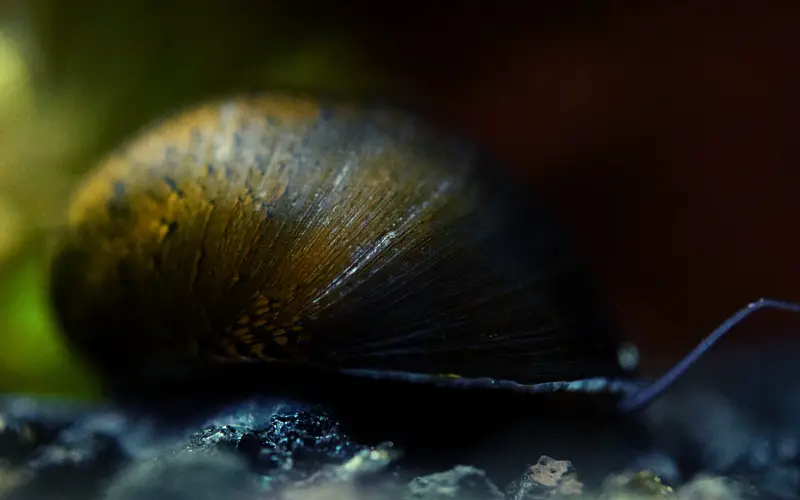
(77, 78)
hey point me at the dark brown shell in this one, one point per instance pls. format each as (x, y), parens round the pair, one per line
(350, 237)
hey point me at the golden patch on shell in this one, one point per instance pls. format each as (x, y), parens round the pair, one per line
(300, 230)
(220, 123)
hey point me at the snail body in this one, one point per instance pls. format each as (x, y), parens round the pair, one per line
(359, 239)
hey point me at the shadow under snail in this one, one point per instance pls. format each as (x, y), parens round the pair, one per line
(360, 239)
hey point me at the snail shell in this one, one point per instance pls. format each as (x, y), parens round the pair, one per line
(279, 228)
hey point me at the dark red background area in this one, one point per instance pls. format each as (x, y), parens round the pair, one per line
(665, 135)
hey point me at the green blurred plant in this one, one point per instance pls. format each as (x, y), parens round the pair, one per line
(76, 79)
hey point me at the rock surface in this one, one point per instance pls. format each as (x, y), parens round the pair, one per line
(260, 449)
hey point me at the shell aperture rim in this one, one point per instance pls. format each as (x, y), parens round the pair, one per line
(635, 394)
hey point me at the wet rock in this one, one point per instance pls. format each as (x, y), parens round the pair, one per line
(717, 488)
(260, 449)
(642, 485)
(186, 476)
(23, 437)
(11, 479)
(18, 438)
(548, 478)
(781, 482)
(78, 460)
(306, 438)
(363, 464)
(347, 478)
(277, 446)
(289, 446)
(460, 483)
(786, 449)
(660, 464)
(217, 438)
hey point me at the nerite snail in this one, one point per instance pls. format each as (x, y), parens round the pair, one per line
(357, 238)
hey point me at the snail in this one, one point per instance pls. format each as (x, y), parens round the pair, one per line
(282, 229)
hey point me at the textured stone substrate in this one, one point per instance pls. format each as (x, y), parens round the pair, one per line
(260, 450)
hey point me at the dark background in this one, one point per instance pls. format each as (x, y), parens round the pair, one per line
(665, 135)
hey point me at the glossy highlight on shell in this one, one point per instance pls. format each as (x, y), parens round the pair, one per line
(280, 228)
